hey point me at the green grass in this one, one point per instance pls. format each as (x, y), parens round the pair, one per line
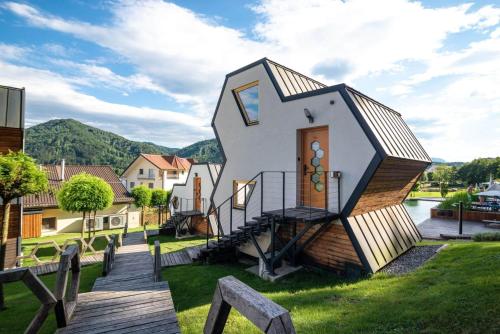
(432, 194)
(457, 292)
(169, 244)
(22, 305)
(46, 252)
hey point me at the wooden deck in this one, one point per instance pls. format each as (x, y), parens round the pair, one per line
(47, 268)
(303, 214)
(185, 256)
(127, 300)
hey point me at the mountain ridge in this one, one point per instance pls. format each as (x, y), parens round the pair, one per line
(79, 143)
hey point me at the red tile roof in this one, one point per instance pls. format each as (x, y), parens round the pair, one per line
(169, 161)
(48, 199)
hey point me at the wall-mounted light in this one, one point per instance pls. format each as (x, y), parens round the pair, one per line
(309, 115)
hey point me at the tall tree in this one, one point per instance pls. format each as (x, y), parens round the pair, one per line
(19, 176)
(142, 199)
(159, 200)
(86, 194)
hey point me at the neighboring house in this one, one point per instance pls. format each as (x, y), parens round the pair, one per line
(156, 171)
(193, 196)
(43, 217)
(331, 159)
(12, 101)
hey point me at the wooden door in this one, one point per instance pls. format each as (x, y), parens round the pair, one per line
(313, 186)
(197, 193)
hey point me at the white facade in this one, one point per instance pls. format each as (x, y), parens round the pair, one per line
(273, 143)
(151, 176)
(72, 221)
(208, 173)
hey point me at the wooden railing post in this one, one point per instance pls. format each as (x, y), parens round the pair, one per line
(268, 316)
(38, 288)
(157, 262)
(66, 304)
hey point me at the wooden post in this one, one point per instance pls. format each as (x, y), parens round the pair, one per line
(157, 262)
(268, 316)
(65, 306)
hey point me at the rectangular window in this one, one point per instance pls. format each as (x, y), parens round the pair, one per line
(151, 185)
(242, 190)
(172, 174)
(49, 223)
(141, 171)
(151, 173)
(247, 97)
(132, 184)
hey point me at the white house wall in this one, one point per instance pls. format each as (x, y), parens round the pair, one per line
(72, 222)
(272, 144)
(132, 175)
(185, 191)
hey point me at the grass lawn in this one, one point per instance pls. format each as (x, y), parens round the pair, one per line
(432, 194)
(457, 292)
(22, 304)
(169, 244)
(46, 252)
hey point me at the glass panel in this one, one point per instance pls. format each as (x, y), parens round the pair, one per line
(315, 145)
(14, 109)
(319, 186)
(250, 99)
(315, 162)
(3, 105)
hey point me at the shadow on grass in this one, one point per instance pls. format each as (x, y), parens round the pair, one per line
(457, 292)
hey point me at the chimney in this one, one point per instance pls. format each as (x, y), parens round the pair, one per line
(63, 169)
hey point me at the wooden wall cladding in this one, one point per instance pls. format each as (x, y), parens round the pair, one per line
(14, 232)
(331, 249)
(11, 139)
(384, 234)
(32, 225)
(390, 184)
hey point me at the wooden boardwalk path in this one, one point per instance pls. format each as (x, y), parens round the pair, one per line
(185, 256)
(127, 300)
(47, 268)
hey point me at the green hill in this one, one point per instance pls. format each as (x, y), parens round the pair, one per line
(79, 143)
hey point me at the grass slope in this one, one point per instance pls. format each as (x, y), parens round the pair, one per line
(457, 292)
(22, 304)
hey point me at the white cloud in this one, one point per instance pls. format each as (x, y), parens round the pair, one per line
(184, 55)
(57, 97)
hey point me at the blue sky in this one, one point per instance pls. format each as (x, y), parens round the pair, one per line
(152, 70)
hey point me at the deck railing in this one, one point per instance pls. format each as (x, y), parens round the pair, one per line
(275, 192)
(189, 204)
(109, 255)
(63, 302)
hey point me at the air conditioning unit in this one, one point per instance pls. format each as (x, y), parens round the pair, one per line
(117, 221)
(98, 224)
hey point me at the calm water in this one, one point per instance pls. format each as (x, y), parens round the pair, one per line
(419, 210)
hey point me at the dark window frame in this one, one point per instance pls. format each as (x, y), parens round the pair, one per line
(241, 105)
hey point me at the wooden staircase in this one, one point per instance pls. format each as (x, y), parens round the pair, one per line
(224, 249)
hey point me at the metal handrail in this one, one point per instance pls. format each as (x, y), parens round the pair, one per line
(215, 211)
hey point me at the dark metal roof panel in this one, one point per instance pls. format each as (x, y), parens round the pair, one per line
(388, 126)
(292, 82)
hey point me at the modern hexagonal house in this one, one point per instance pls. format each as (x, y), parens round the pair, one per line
(312, 174)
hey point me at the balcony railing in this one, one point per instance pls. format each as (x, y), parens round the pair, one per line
(314, 194)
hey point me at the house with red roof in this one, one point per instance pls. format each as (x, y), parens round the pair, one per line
(42, 216)
(156, 171)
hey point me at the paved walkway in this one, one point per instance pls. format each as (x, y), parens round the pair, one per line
(432, 228)
(127, 300)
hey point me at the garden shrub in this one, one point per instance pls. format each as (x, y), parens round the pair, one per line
(486, 236)
(460, 196)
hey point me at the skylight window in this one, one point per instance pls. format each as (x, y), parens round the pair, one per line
(247, 97)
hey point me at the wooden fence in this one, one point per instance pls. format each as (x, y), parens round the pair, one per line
(64, 305)
(268, 316)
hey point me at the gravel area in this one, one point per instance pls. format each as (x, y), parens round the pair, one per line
(411, 260)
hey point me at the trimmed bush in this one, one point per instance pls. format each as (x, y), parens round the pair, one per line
(486, 236)
(460, 196)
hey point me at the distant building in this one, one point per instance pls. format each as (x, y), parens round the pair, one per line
(156, 171)
(42, 216)
(12, 139)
